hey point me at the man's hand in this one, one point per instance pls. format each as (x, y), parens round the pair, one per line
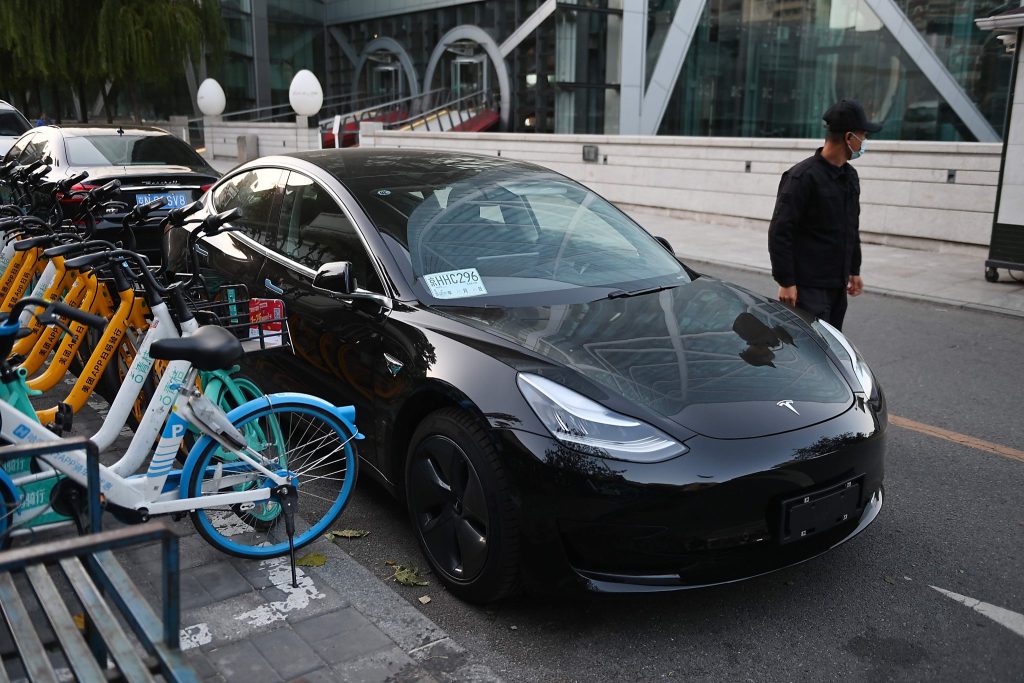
(856, 285)
(787, 295)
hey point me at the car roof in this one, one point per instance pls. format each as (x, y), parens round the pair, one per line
(7, 105)
(364, 162)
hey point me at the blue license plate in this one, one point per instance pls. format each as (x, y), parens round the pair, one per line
(175, 200)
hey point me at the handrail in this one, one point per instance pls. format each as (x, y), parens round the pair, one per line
(383, 105)
(478, 100)
(287, 108)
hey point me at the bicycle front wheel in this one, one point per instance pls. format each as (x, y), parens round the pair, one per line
(308, 443)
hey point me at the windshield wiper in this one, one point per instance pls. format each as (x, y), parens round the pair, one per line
(622, 294)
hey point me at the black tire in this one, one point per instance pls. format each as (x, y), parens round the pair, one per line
(992, 274)
(462, 508)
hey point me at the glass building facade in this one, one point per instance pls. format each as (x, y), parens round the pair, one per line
(768, 68)
(750, 68)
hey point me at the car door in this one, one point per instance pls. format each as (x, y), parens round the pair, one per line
(235, 257)
(337, 342)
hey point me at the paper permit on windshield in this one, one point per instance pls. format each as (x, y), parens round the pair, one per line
(453, 284)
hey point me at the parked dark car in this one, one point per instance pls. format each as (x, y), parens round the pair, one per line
(149, 163)
(557, 398)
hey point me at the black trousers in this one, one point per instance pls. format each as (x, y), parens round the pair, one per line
(827, 304)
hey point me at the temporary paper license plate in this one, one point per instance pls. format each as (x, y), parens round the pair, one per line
(175, 200)
(453, 284)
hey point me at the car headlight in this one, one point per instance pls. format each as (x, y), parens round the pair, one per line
(588, 426)
(848, 355)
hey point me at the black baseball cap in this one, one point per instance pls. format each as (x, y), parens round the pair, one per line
(847, 115)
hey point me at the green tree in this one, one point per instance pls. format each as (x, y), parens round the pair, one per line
(79, 47)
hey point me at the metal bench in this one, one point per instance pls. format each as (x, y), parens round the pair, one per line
(42, 585)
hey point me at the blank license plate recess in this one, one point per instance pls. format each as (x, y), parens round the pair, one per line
(813, 513)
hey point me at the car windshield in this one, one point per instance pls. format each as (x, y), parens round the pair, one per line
(12, 123)
(129, 150)
(490, 235)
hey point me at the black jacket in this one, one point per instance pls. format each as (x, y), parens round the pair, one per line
(814, 237)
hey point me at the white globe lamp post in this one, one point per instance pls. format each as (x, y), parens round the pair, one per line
(210, 98)
(305, 94)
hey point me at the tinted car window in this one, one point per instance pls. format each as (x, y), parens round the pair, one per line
(257, 194)
(129, 150)
(12, 123)
(15, 151)
(34, 149)
(509, 231)
(314, 230)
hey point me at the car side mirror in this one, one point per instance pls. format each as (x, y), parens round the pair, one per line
(665, 243)
(335, 278)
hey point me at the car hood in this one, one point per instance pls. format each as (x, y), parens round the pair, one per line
(710, 356)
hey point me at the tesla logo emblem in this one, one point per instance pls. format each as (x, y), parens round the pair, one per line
(394, 365)
(787, 404)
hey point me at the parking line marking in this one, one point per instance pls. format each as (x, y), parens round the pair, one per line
(1000, 615)
(956, 437)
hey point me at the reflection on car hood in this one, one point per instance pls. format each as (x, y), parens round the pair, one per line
(710, 356)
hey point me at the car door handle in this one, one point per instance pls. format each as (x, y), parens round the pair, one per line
(272, 287)
(202, 252)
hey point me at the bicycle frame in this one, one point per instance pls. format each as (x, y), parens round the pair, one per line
(82, 295)
(146, 492)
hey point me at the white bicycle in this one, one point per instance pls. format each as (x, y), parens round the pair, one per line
(246, 477)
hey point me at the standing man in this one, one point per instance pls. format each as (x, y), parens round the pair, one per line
(814, 237)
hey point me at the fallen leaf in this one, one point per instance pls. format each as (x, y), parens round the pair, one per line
(425, 599)
(891, 580)
(390, 563)
(346, 533)
(408, 576)
(311, 560)
(79, 620)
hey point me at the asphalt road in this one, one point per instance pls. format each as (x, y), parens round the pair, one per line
(953, 519)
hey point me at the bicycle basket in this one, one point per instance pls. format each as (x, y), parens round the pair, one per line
(260, 324)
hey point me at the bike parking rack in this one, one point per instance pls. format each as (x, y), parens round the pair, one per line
(44, 580)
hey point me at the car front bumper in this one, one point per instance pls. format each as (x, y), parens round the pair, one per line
(714, 515)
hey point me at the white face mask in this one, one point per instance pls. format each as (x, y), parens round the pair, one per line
(860, 152)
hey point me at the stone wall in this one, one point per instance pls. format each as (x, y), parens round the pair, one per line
(274, 138)
(919, 194)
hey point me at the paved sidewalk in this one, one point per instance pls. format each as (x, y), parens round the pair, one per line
(243, 622)
(951, 279)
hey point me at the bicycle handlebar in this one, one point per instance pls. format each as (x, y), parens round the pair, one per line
(52, 309)
(72, 313)
(178, 216)
(65, 185)
(25, 170)
(104, 191)
(75, 247)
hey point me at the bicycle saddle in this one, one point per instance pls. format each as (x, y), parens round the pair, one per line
(210, 348)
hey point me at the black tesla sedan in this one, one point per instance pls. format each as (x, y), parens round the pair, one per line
(149, 162)
(556, 397)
